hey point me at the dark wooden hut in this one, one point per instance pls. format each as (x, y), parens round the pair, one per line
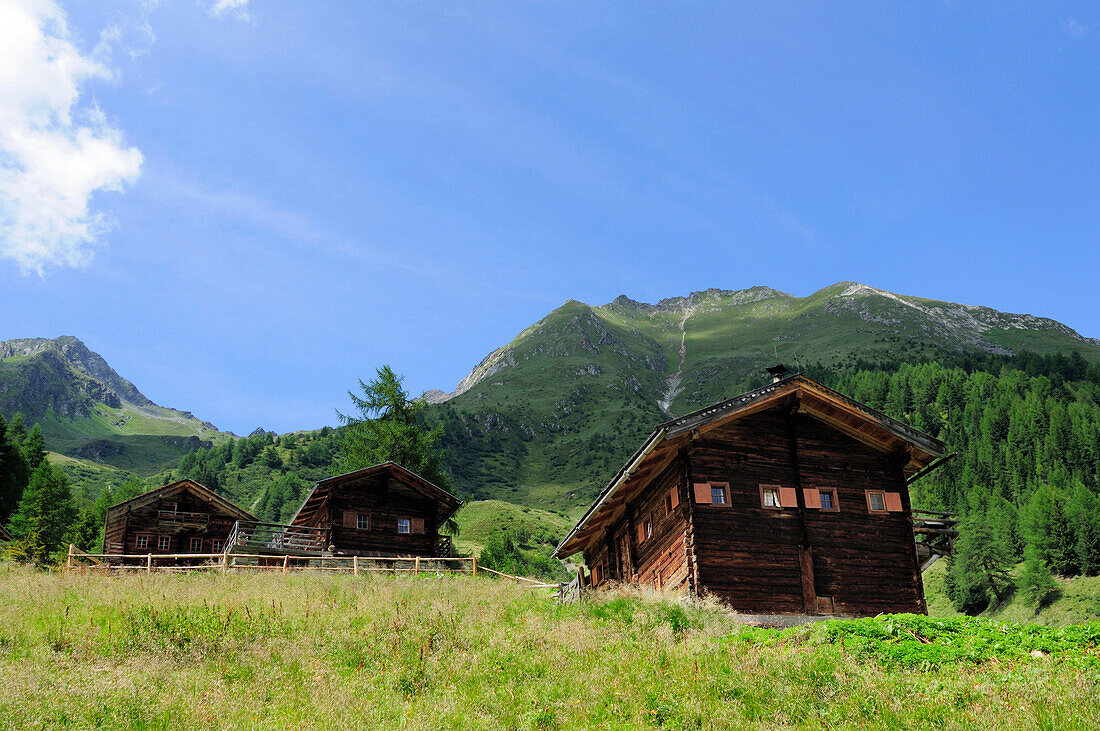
(790, 499)
(382, 510)
(182, 517)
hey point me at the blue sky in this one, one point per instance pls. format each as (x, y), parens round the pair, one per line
(245, 205)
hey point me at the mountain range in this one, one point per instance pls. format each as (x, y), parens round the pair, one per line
(546, 418)
(549, 416)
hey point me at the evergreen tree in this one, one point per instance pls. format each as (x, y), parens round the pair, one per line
(1044, 525)
(388, 427)
(1036, 584)
(1083, 516)
(45, 513)
(17, 430)
(979, 570)
(34, 448)
(13, 472)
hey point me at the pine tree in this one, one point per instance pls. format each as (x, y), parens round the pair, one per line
(1036, 584)
(34, 448)
(13, 472)
(979, 570)
(1083, 516)
(1044, 525)
(45, 513)
(389, 427)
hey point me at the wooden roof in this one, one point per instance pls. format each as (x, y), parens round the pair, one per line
(173, 488)
(447, 502)
(797, 392)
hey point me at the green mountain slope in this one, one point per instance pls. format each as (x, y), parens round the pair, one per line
(87, 410)
(549, 417)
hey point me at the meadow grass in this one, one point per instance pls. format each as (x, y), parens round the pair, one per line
(458, 652)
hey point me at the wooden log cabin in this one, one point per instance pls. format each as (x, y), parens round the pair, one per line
(182, 517)
(382, 510)
(790, 499)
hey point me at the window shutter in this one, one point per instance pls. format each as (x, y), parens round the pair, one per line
(788, 497)
(893, 502)
(702, 493)
(417, 525)
(641, 533)
(349, 518)
(812, 497)
(674, 494)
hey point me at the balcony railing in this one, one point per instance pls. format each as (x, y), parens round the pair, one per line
(177, 518)
(275, 538)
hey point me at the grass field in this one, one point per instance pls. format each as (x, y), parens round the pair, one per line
(324, 651)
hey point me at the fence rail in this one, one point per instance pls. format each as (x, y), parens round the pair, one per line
(179, 562)
(150, 563)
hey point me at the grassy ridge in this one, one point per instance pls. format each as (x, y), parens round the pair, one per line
(321, 651)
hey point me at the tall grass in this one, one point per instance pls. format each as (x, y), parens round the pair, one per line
(323, 651)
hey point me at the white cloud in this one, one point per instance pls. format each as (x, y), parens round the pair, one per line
(238, 8)
(1075, 28)
(54, 154)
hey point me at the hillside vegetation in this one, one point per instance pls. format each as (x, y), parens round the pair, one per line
(1077, 600)
(323, 651)
(548, 418)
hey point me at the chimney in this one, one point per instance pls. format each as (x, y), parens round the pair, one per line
(777, 372)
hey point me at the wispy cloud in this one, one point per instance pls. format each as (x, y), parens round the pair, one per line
(54, 153)
(236, 8)
(1075, 28)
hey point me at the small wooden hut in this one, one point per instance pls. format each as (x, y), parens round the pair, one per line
(182, 517)
(382, 510)
(790, 499)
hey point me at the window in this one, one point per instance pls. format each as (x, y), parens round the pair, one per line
(648, 528)
(215, 546)
(769, 497)
(196, 545)
(404, 525)
(712, 493)
(164, 543)
(143, 541)
(362, 521)
(828, 500)
(880, 501)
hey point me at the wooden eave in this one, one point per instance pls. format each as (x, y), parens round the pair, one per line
(796, 393)
(201, 491)
(4, 534)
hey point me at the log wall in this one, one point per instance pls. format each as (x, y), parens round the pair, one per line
(658, 560)
(386, 501)
(124, 526)
(797, 559)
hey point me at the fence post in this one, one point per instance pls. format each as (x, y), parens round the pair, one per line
(416, 565)
(149, 564)
(72, 550)
(475, 565)
(286, 563)
(355, 565)
(225, 562)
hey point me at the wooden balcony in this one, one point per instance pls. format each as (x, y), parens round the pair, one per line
(172, 520)
(935, 533)
(276, 539)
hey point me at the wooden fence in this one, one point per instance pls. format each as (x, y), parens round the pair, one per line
(180, 562)
(242, 562)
